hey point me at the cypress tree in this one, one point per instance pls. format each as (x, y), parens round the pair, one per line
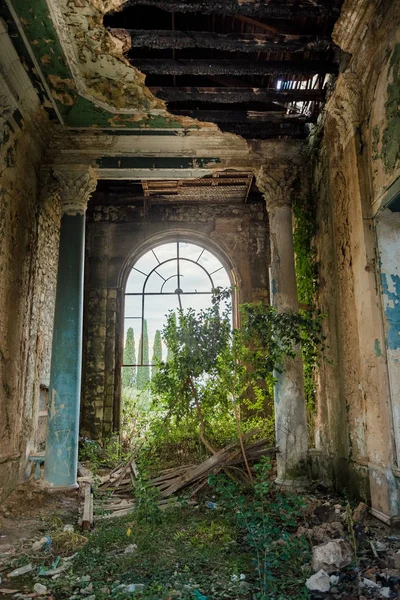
(157, 353)
(129, 373)
(143, 373)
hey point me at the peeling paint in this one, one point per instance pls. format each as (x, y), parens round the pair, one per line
(391, 290)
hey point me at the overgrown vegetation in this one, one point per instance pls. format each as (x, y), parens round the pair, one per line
(304, 210)
(243, 547)
(216, 383)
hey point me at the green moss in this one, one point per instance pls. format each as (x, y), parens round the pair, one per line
(391, 135)
(375, 143)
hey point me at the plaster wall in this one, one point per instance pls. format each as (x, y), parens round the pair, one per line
(114, 234)
(357, 161)
(29, 226)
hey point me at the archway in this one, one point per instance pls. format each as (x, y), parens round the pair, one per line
(170, 275)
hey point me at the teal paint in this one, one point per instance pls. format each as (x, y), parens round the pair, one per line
(65, 376)
(377, 348)
(274, 289)
(392, 309)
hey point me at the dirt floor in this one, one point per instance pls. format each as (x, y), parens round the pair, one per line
(194, 552)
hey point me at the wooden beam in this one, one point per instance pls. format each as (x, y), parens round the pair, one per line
(235, 95)
(241, 42)
(266, 131)
(231, 67)
(243, 116)
(255, 8)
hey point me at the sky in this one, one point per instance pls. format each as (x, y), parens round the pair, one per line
(193, 278)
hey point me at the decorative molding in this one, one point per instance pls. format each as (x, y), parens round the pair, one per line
(353, 23)
(276, 185)
(75, 186)
(95, 58)
(345, 105)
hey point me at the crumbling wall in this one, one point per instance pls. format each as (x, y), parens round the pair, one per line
(357, 161)
(29, 225)
(113, 235)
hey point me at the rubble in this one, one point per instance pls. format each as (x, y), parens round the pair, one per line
(319, 582)
(332, 556)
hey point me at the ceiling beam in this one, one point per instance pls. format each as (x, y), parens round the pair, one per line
(232, 67)
(243, 116)
(252, 8)
(231, 42)
(265, 131)
(235, 95)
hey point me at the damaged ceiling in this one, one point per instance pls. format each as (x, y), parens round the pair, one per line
(253, 68)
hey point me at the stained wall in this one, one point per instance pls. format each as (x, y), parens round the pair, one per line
(357, 161)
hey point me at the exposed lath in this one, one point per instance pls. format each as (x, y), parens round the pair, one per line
(224, 186)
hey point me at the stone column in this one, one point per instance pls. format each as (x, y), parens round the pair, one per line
(290, 408)
(75, 184)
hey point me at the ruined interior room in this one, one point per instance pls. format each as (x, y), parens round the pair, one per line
(152, 151)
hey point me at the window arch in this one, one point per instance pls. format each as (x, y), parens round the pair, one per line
(169, 276)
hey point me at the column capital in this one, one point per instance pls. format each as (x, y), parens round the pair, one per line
(276, 184)
(75, 186)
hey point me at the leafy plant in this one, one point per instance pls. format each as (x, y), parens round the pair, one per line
(267, 522)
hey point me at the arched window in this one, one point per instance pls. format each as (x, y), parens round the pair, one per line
(168, 277)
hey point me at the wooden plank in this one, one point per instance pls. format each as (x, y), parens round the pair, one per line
(235, 95)
(87, 508)
(236, 116)
(257, 8)
(161, 39)
(164, 66)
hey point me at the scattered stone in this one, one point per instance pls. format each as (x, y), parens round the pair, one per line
(368, 583)
(21, 571)
(319, 582)
(40, 589)
(39, 545)
(334, 579)
(360, 513)
(332, 556)
(130, 549)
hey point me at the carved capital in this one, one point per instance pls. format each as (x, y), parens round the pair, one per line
(75, 186)
(276, 185)
(344, 106)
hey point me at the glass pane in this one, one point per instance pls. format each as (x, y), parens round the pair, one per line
(191, 251)
(196, 302)
(165, 251)
(171, 284)
(209, 261)
(146, 263)
(221, 279)
(154, 283)
(156, 309)
(135, 282)
(133, 306)
(193, 278)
